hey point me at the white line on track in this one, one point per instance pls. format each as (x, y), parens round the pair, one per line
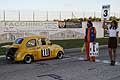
(65, 58)
(2, 56)
(100, 61)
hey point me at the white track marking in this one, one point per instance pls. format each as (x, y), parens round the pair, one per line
(2, 56)
(100, 61)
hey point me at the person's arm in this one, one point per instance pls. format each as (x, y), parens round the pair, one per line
(117, 35)
(95, 35)
(117, 38)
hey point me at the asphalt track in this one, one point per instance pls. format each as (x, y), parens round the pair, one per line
(71, 67)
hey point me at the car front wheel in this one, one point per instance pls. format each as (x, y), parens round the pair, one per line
(28, 59)
(60, 55)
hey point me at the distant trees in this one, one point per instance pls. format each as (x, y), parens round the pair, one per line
(94, 19)
(114, 18)
(83, 19)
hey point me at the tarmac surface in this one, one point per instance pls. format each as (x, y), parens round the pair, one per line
(71, 67)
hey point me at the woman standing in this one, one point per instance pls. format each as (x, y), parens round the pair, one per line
(90, 37)
(113, 41)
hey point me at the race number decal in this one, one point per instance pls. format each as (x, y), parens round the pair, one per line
(45, 52)
(94, 49)
(105, 14)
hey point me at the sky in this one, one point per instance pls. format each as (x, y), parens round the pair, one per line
(81, 8)
(59, 5)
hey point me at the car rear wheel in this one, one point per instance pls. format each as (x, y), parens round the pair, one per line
(28, 59)
(60, 55)
(9, 59)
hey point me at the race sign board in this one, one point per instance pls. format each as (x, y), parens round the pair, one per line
(94, 49)
(105, 12)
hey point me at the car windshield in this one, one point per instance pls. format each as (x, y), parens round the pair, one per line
(18, 41)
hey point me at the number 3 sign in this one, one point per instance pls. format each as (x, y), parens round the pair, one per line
(105, 12)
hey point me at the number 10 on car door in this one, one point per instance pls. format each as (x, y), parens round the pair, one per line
(45, 52)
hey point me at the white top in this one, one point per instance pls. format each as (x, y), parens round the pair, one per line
(113, 32)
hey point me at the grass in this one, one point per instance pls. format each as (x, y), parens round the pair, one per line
(66, 44)
(73, 43)
(77, 43)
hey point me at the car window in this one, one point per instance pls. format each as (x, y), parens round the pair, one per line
(43, 41)
(31, 43)
(18, 41)
(39, 42)
(48, 41)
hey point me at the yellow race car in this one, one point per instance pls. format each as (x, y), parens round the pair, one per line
(32, 48)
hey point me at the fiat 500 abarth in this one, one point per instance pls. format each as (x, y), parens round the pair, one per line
(32, 48)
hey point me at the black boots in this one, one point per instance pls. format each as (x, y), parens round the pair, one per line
(112, 63)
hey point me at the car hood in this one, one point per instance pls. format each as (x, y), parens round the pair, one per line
(57, 46)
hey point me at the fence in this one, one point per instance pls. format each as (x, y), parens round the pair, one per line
(36, 15)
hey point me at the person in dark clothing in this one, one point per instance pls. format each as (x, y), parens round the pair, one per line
(90, 36)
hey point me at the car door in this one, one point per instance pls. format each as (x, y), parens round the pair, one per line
(31, 47)
(44, 50)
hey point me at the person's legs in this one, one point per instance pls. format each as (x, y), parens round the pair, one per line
(114, 55)
(110, 53)
(114, 46)
(111, 57)
(87, 51)
(93, 58)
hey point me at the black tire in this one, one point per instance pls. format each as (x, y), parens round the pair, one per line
(9, 59)
(28, 59)
(60, 55)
